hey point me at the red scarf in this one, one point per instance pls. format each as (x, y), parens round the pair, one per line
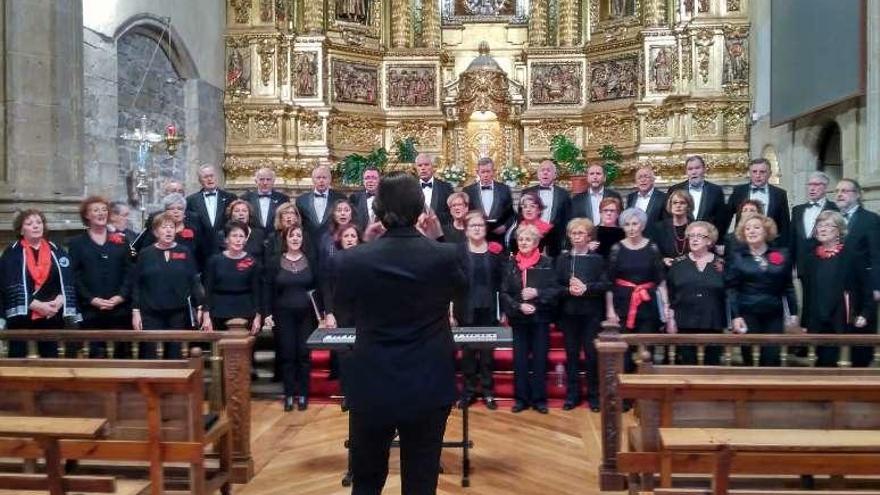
(526, 261)
(38, 266)
(826, 253)
(639, 295)
(542, 226)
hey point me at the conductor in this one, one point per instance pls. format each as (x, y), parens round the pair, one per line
(402, 368)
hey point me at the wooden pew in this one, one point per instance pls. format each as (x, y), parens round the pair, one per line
(170, 428)
(721, 411)
(228, 361)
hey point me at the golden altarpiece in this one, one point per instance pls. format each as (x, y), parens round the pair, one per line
(310, 81)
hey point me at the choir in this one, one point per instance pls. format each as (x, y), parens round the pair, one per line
(665, 263)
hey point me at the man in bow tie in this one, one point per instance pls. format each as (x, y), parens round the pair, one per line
(803, 218)
(774, 198)
(265, 200)
(209, 205)
(363, 200)
(316, 207)
(557, 205)
(708, 197)
(646, 197)
(493, 198)
(436, 191)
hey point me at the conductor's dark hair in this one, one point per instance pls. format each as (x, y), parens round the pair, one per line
(399, 201)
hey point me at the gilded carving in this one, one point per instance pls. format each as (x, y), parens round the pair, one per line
(266, 10)
(538, 23)
(283, 68)
(431, 25)
(594, 13)
(267, 53)
(556, 83)
(704, 120)
(236, 123)
(265, 125)
(355, 82)
(484, 7)
(655, 13)
(280, 10)
(703, 6)
(657, 122)
(733, 5)
(662, 59)
(736, 60)
(618, 9)
(483, 91)
(613, 79)
(306, 72)
(241, 10)
(352, 10)
(704, 41)
(238, 70)
(735, 119)
(605, 128)
(541, 134)
(313, 16)
(356, 132)
(401, 23)
(568, 23)
(425, 134)
(687, 67)
(310, 126)
(411, 86)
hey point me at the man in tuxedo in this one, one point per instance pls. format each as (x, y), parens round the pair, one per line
(586, 204)
(774, 199)
(557, 205)
(646, 197)
(493, 198)
(265, 200)
(436, 191)
(363, 200)
(316, 206)
(402, 368)
(863, 237)
(209, 203)
(708, 198)
(803, 219)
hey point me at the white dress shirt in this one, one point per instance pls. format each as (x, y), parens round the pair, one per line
(811, 212)
(370, 215)
(211, 205)
(320, 203)
(546, 196)
(763, 196)
(487, 197)
(595, 199)
(697, 195)
(264, 210)
(428, 192)
(642, 200)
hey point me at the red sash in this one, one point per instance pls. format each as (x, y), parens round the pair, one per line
(639, 295)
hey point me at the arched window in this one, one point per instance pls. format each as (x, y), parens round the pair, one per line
(830, 159)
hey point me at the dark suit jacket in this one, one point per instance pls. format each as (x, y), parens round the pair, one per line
(196, 203)
(778, 209)
(656, 205)
(863, 236)
(403, 363)
(581, 206)
(560, 214)
(361, 215)
(306, 205)
(275, 200)
(441, 192)
(502, 207)
(712, 207)
(801, 242)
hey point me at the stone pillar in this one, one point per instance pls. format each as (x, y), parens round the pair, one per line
(401, 23)
(538, 24)
(44, 121)
(313, 16)
(568, 18)
(431, 24)
(870, 170)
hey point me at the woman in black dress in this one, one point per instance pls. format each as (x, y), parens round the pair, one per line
(668, 234)
(528, 295)
(165, 286)
(484, 264)
(696, 292)
(187, 232)
(608, 232)
(290, 278)
(38, 285)
(101, 264)
(746, 208)
(582, 275)
(456, 231)
(240, 211)
(759, 285)
(530, 208)
(233, 283)
(838, 285)
(637, 298)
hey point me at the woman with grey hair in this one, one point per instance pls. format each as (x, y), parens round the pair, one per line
(187, 231)
(635, 268)
(840, 300)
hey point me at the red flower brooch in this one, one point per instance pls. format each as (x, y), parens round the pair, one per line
(244, 263)
(178, 256)
(495, 248)
(116, 238)
(187, 233)
(826, 253)
(776, 258)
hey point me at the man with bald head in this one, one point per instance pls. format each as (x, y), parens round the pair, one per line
(557, 205)
(316, 206)
(436, 191)
(646, 197)
(265, 200)
(209, 203)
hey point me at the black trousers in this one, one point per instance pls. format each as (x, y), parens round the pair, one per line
(421, 440)
(173, 319)
(531, 342)
(477, 364)
(292, 329)
(580, 333)
(763, 323)
(107, 320)
(47, 349)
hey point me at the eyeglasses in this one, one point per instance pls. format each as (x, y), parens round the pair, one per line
(826, 226)
(609, 210)
(477, 226)
(695, 235)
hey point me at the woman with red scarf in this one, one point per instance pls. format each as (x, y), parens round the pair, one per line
(528, 296)
(38, 290)
(530, 208)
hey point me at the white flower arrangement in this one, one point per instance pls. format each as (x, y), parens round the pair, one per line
(514, 173)
(453, 173)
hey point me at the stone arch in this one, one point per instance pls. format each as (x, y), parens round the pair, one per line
(828, 148)
(154, 27)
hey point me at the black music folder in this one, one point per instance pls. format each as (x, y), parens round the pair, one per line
(607, 237)
(539, 277)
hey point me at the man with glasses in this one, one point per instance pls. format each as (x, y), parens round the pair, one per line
(708, 197)
(774, 199)
(803, 218)
(557, 205)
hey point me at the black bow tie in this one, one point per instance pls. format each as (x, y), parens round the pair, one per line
(210, 193)
(428, 185)
(486, 188)
(545, 188)
(265, 195)
(814, 204)
(695, 187)
(320, 195)
(759, 189)
(370, 195)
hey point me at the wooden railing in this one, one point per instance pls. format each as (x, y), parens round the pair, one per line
(613, 348)
(228, 359)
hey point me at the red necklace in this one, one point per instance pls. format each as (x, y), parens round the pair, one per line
(825, 253)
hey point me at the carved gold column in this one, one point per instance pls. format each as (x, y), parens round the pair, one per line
(655, 13)
(568, 17)
(401, 23)
(538, 24)
(431, 24)
(313, 16)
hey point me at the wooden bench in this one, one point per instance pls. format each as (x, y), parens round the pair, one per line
(782, 451)
(227, 359)
(155, 414)
(47, 432)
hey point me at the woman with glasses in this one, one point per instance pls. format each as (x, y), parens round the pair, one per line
(530, 208)
(838, 298)
(696, 291)
(608, 232)
(669, 233)
(456, 231)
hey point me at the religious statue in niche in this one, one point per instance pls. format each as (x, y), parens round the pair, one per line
(736, 61)
(661, 71)
(238, 74)
(353, 10)
(613, 79)
(617, 9)
(410, 86)
(689, 6)
(355, 83)
(703, 6)
(556, 84)
(484, 7)
(305, 66)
